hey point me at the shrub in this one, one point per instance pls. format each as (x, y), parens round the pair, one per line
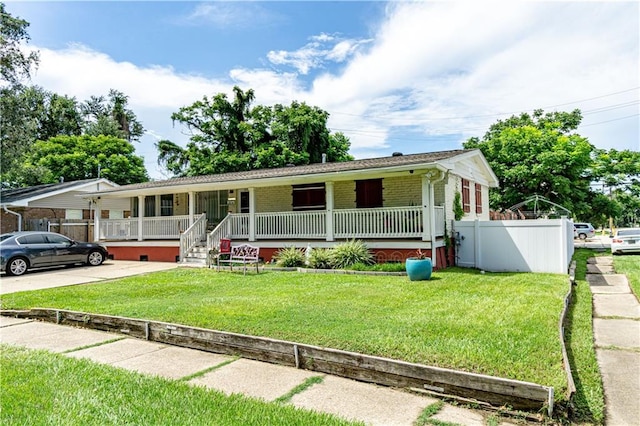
(380, 267)
(346, 254)
(290, 257)
(320, 258)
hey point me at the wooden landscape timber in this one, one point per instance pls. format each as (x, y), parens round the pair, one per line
(498, 392)
(571, 386)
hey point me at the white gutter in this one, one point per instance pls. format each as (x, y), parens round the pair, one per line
(17, 214)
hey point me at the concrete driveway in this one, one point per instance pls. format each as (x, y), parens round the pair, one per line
(63, 276)
(596, 242)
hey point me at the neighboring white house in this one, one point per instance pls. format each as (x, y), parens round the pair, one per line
(395, 204)
(35, 207)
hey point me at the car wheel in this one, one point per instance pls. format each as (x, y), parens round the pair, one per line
(583, 236)
(17, 266)
(95, 258)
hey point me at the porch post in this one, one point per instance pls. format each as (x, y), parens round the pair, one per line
(97, 212)
(252, 214)
(192, 207)
(426, 211)
(432, 222)
(329, 218)
(140, 215)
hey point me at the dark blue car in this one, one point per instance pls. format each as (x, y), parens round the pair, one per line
(20, 251)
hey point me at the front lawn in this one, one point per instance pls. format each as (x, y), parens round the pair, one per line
(630, 266)
(42, 388)
(498, 324)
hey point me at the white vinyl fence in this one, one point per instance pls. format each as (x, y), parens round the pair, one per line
(515, 245)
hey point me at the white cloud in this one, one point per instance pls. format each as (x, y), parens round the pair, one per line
(432, 69)
(231, 15)
(315, 53)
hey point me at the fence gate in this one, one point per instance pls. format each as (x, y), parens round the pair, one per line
(76, 230)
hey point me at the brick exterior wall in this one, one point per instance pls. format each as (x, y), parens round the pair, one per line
(344, 195)
(402, 191)
(273, 199)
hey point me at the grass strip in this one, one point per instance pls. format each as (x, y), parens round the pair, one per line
(588, 401)
(310, 381)
(44, 388)
(630, 266)
(208, 370)
(93, 345)
(428, 412)
(499, 324)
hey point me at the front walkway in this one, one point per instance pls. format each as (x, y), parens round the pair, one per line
(616, 329)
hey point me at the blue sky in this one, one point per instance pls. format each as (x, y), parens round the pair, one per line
(394, 76)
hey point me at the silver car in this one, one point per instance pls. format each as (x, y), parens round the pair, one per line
(626, 241)
(583, 231)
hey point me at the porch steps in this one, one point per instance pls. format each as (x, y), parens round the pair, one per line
(196, 257)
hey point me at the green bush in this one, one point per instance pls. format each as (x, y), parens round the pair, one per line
(290, 257)
(349, 253)
(320, 258)
(380, 267)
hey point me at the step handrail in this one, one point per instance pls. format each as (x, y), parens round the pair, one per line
(193, 235)
(223, 230)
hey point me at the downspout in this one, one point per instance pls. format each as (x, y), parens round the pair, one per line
(17, 214)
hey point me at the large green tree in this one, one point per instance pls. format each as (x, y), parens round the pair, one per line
(539, 154)
(232, 135)
(110, 116)
(15, 65)
(83, 157)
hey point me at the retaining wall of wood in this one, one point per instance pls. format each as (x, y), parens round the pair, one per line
(496, 391)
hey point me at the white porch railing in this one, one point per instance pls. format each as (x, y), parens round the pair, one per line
(389, 222)
(193, 235)
(157, 227)
(161, 227)
(308, 225)
(439, 218)
(119, 229)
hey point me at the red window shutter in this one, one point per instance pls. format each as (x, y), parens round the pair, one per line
(309, 197)
(478, 198)
(368, 193)
(466, 196)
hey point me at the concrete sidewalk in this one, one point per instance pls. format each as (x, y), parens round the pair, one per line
(616, 329)
(349, 399)
(63, 276)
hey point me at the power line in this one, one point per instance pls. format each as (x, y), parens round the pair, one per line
(496, 114)
(609, 121)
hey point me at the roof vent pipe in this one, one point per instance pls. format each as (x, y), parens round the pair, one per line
(396, 154)
(324, 158)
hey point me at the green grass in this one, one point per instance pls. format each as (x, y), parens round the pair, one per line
(504, 324)
(630, 266)
(42, 388)
(588, 402)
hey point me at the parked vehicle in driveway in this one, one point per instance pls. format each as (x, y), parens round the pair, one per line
(20, 251)
(626, 241)
(583, 231)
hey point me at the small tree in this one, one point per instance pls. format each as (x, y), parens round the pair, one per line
(458, 210)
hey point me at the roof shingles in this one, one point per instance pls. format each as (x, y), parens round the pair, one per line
(310, 169)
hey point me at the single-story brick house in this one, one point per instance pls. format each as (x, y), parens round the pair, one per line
(396, 204)
(49, 206)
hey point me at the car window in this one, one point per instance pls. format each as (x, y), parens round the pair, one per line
(58, 239)
(31, 239)
(5, 236)
(625, 232)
